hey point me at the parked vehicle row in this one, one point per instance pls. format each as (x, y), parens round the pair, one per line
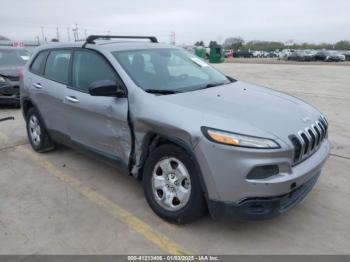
(313, 55)
(294, 55)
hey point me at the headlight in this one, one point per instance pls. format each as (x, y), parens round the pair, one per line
(2, 79)
(233, 139)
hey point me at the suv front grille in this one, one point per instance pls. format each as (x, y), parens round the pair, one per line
(307, 141)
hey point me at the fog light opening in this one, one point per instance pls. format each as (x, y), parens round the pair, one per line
(293, 185)
(262, 172)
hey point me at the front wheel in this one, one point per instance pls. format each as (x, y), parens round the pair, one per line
(171, 184)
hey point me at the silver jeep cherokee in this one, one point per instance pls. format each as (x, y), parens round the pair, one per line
(197, 138)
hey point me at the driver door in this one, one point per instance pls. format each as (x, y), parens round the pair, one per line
(95, 122)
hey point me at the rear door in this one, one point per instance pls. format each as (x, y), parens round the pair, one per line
(49, 89)
(99, 123)
(32, 83)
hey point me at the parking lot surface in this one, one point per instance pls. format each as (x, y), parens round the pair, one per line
(64, 202)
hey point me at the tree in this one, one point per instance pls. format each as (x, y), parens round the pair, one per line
(263, 46)
(213, 44)
(199, 43)
(234, 43)
(343, 45)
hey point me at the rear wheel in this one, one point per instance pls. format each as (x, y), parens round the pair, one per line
(37, 134)
(171, 184)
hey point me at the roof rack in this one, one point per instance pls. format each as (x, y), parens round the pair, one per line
(91, 39)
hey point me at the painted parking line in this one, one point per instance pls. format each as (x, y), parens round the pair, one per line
(136, 224)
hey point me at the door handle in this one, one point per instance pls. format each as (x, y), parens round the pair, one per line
(72, 99)
(38, 85)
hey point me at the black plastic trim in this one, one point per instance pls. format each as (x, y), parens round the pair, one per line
(91, 39)
(106, 158)
(259, 208)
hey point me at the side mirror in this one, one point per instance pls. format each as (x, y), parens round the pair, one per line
(106, 88)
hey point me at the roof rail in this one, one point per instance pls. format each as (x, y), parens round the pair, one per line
(91, 39)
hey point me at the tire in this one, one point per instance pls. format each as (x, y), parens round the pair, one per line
(191, 205)
(37, 134)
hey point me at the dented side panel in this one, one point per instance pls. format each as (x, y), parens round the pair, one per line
(102, 126)
(168, 122)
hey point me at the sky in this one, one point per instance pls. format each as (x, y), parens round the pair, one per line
(276, 20)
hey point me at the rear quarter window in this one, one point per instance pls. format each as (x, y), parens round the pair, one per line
(57, 66)
(38, 64)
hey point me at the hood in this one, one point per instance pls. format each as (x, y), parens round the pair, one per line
(233, 106)
(10, 70)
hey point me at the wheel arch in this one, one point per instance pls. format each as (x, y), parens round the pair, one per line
(153, 139)
(26, 105)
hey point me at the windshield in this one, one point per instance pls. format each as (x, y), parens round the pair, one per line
(168, 70)
(13, 57)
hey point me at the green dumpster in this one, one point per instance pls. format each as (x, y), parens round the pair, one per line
(216, 54)
(200, 51)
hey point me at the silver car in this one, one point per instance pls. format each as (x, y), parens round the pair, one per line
(197, 138)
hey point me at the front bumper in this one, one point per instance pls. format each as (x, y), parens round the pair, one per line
(262, 207)
(9, 93)
(225, 169)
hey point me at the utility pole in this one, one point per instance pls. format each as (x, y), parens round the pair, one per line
(57, 34)
(76, 32)
(42, 33)
(85, 33)
(172, 38)
(68, 34)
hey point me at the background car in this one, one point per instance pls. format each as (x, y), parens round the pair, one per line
(228, 53)
(285, 53)
(257, 54)
(347, 55)
(243, 54)
(295, 56)
(272, 54)
(302, 55)
(11, 62)
(329, 56)
(308, 55)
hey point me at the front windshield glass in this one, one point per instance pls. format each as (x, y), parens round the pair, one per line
(13, 57)
(168, 70)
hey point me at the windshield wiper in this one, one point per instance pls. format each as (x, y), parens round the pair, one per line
(160, 91)
(213, 85)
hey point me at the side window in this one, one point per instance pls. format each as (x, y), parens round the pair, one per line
(57, 66)
(89, 67)
(38, 65)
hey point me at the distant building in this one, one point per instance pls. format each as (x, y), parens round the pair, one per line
(289, 42)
